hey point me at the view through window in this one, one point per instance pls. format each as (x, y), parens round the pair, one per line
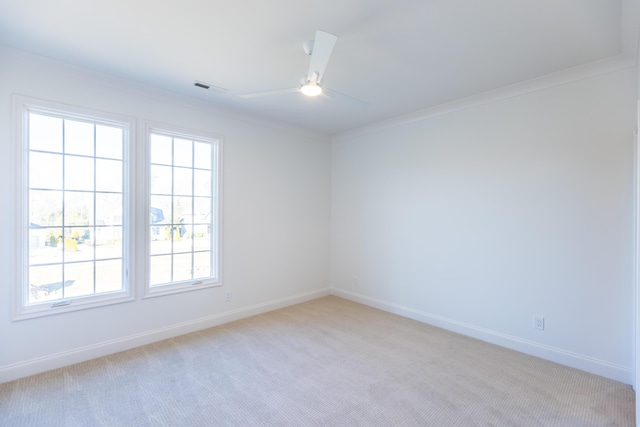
(183, 197)
(76, 203)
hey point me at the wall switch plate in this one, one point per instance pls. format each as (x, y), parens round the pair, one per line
(538, 322)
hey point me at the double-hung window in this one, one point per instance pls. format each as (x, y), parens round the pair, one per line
(184, 193)
(74, 198)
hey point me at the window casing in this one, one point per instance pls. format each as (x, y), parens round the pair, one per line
(74, 225)
(183, 237)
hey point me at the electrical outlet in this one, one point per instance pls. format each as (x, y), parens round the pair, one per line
(227, 296)
(538, 322)
(355, 280)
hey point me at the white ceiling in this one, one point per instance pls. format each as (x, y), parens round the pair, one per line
(399, 56)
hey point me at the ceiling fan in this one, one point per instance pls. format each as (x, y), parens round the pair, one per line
(320, 51)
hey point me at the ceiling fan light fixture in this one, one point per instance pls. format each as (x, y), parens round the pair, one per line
(311, 89)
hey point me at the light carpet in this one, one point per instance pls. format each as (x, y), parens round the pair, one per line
(327, 362)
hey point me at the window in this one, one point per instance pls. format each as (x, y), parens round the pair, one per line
(82, 240)
(183, 235)
(74, 222)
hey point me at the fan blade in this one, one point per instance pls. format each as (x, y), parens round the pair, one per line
(345, 98)
(322, 48)
(269, 92)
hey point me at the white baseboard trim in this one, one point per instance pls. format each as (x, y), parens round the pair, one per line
(585, 363)
(77, 355)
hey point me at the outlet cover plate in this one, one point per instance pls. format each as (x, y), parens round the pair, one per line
(538, 322)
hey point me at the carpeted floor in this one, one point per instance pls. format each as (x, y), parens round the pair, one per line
(328, 362)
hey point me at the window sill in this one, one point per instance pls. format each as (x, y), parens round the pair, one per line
(174, 288)
(70, 305)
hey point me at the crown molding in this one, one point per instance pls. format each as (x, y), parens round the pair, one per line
(627, 58)
(605, 66)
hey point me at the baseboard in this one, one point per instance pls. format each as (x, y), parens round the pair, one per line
(59, 360)
(574, 360)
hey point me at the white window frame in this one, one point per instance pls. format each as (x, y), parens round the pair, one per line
(216, 224)
(21, 309)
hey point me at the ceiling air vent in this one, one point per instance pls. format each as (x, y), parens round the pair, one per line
(202, 85)
(206, 86)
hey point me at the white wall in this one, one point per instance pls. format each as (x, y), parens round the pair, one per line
(481, 218)
(275, 221)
